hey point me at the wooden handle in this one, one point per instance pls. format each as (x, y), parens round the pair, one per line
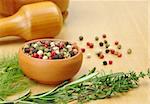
(10, 26)
(38, 20)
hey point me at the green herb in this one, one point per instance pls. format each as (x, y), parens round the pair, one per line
(88, 87)
(12, 79)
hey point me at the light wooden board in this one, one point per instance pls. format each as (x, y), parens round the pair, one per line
(125, 21)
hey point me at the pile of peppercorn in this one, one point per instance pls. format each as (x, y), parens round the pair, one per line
(47, 49)
(106, 50)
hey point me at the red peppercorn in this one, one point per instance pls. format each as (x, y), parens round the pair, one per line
(112, 51)
(88, 43)
(35, 55)
(83, 50)
(40, 56)
(53, 53)
(50, 58)
(110, 62)
(46, 42)
(91, 45)
(116, 42)
(119, 55)
(101, 56)
(46, 45)
(104, 35)
(61, 46)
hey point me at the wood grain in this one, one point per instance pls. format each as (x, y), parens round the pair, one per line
(126, 21)
(32, 21)
(9, 7)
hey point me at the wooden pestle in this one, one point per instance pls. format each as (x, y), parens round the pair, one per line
(32, 21)
(9, 7)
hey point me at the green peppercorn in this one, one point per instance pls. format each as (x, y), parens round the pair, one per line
(101, 44)
(47, 54)
(107, 45)
(96, 38)
(129, 51)
(105, 41)
(119, 46)
(39, 43)
(40, 48)
(47, 50)
(80, 38)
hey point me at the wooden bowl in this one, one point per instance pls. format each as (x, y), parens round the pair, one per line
(49, 71)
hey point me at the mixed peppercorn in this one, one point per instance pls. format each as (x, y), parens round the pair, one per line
(49, 50)
(104, 44)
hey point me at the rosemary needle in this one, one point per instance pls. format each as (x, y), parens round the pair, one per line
(81, 80)
(89, 87)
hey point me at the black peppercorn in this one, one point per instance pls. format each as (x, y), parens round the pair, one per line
(55, 57)
(42, 41)
(104, 62)
(98, 54)
(60, 56)
(71, 53)
(66, 43)
(106, 51)
(101, 44)
(104, 36)
(26, 50)
(34, 51)
(30, 44)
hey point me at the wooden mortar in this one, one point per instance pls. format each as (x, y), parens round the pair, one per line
(32, 21)
(9, 7)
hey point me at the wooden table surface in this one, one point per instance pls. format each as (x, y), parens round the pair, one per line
(125, 21)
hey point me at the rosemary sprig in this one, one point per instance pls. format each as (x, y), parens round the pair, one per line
(89, 87)
(12, 79)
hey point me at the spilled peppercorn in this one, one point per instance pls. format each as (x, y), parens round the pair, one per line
(105, 48)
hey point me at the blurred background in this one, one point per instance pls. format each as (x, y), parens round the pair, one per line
(124, 20)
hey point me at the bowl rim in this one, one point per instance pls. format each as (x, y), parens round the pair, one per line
(78, 48)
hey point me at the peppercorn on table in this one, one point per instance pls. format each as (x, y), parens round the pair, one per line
(123, 21)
